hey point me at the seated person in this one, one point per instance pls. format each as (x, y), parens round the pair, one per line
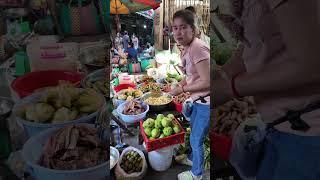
(131, 51)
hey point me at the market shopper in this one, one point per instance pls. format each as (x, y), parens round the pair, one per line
(135, 42)
(132, 52)
(125, 40)
(279, 67)
(196, 62)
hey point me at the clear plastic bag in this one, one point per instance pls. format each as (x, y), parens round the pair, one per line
(247, 147)
(187, 108)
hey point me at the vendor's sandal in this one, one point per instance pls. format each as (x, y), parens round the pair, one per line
(187, 175)
(183, 159)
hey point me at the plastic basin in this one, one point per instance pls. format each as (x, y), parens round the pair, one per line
(221, 145)
(33, 128)
(124, 86)
(32, 151)
(132, 118)
(27, 84)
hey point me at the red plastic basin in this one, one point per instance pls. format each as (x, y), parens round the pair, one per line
(27, 84)
(124, 86)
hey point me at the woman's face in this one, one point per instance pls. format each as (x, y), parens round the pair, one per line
(182, 32)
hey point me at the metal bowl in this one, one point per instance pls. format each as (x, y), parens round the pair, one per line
(95, 76)
(114, 157)
(157, 108)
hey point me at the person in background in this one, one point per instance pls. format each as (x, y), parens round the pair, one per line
(132, 52)
(135, 42)
(196, 55)
(125, 40)
(199, 26)
(118, 40)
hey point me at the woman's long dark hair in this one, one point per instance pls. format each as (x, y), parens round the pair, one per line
(187, 16)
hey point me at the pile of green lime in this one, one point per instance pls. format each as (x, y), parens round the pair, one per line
(162, 126)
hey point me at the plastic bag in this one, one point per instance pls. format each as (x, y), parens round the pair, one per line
(247, 147)
(122, 175)
(187, 108)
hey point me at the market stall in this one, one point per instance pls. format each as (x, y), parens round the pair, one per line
(149, 119)
(54, 89)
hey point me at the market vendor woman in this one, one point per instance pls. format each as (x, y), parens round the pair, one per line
(195, 58)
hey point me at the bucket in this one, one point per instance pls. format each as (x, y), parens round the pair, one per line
(32, 151)
(144, 64)
(161, 159)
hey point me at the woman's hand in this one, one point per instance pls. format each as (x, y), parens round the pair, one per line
(221, 91)
(176, 91)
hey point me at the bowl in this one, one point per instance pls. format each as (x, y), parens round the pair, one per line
(97, 75)
(28, 83)
(117, 102)
(132, 118)
(33, 128)
(114, 157)
(157, 108)
(32, 151)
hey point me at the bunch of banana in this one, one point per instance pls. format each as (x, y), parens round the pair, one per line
(89, 101)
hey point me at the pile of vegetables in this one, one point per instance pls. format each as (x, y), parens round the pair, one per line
(129, 94)
(147, 79)
(186, 148)
(181, 98)
(150, 87)
(133, 108)
(131, 162)
(172, 78)
(220, 52)
(162, 126)
(232, 114)
(62, 103)
(101, 86)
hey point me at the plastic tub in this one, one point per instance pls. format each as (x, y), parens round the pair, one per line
(27, 84)
(32, 151)
(221, 145)
(161, 159)
(132, 118)
(124, 86)
(33, 128)
(178, 106)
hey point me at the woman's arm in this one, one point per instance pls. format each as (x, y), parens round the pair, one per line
(204, 73)
(235, 64)
(301, 34)
(202, 85)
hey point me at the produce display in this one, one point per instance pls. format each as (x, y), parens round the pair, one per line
(232, 113)
(158, 100)
(133, 108)
(129, 94)
(132, 162)
(74, 147)
(61, 104)
(147, 79)
(150, 87)
(162, 126)
(173, 77)
(101, 86)
(186, 148)
(181, 98)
